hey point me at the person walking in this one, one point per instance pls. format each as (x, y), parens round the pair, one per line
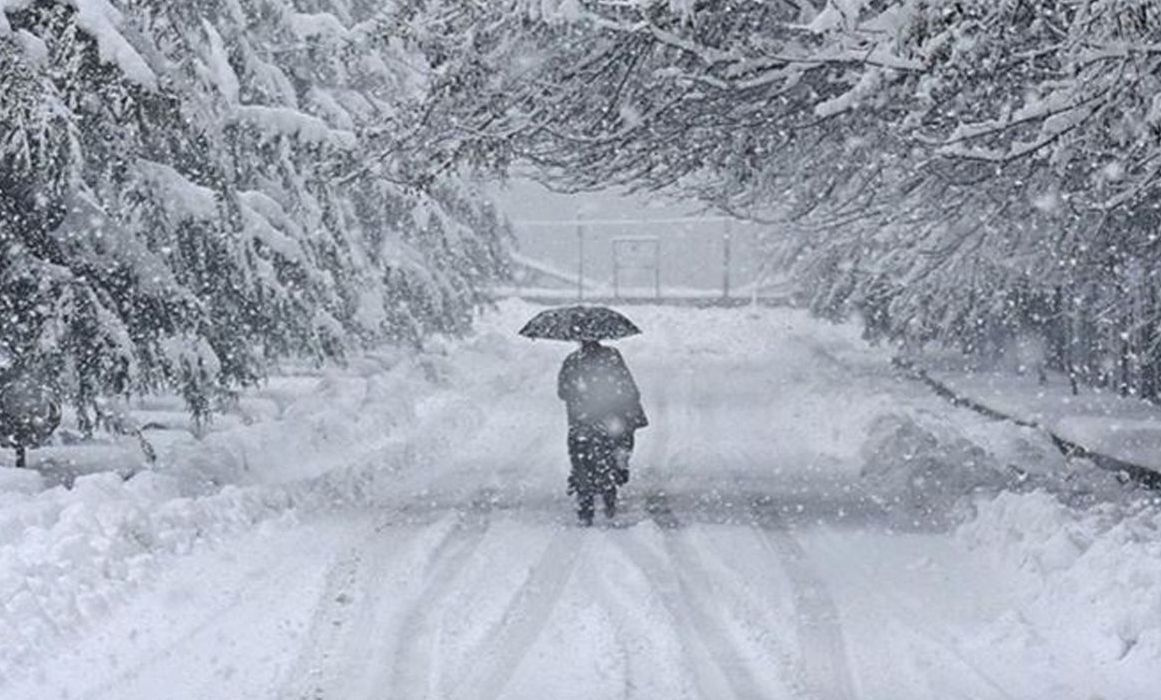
(604, 412)
(601, 398)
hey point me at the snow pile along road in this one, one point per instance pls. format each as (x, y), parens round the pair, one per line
(918, 467)
(1088, 584)
(68, 556)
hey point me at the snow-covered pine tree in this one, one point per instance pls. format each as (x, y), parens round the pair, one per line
(178, 206)
(88, 292)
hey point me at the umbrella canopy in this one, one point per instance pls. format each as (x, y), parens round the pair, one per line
(579, 323)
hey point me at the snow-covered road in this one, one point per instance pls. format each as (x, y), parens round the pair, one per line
(750, 559)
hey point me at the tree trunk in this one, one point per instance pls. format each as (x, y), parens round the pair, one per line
(1070, 333)
(21, 457)
(1148, 350)
(1125, 347)
(1056, 328)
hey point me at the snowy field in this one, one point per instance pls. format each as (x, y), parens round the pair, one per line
(802, 522)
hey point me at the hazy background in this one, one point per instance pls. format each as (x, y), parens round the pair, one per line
(691, 253)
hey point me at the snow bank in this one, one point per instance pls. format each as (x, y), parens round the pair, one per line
(1102, 565)
(924, 466)
(1124, 428)
(1078, 549)
(932, 466)
(315, 434)
(69, 555)
(19, 481)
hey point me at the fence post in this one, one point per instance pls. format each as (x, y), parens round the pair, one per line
(726, 231)
(580, 259)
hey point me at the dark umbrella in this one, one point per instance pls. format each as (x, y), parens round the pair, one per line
(579, 323)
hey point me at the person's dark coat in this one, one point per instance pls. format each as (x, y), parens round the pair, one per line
(604, 410)
(599, 391)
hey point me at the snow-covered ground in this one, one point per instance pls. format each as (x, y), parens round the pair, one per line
(803, 522)
(1100, 420)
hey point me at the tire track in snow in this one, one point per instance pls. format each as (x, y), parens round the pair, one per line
(709, 678)
(717, 673)
(595, 582)
(411, 673)
(719, 670)
(713, 422)
(820, 633)
(523, 620)
(342, 630)
(823, 670)
(327, 627)
(348, 654)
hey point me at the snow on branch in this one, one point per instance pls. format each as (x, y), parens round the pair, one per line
(273, 122)
(10, 6)
(317, 25)
(218, 62)
(263, 218)
(102, 21)
(867, 86)
(179, 196)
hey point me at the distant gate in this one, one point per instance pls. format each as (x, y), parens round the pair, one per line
(637, 261)
(636, 253)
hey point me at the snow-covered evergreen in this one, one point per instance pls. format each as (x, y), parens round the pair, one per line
(185, 195)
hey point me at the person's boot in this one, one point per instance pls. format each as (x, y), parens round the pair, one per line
(610, 498)
(584, 511)
(621, 467)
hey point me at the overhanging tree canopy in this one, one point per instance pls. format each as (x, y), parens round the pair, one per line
(944, 162)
